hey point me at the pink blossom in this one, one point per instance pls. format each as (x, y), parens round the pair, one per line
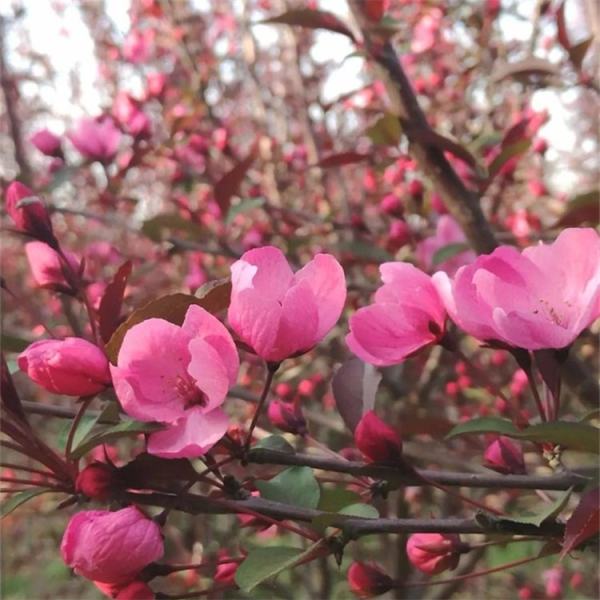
(47, 266)
(433, 553)
(96, 139)
(127, 112)
(137, 47)
(504, 456)
(377, 440)
(178, 376)
(447, 232)
(47, 143)
(111, 547)
(543, 297)
(426, 31)
(407, 315)
(368, 580)
(73, 366)
(281, 314)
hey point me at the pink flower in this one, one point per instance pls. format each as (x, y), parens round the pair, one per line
(128, 114)
(367, 581)
(447, 232)
(96, 139)
(178, 376)
(47, 143)
(433, 553)
(47, 266)
(29, 213)
(73, 366)
(281, 314)
(287, 416)
(111, 547)
(543, 297)
(407, 316)
(504, 456)
(377, 440)
(137, 47)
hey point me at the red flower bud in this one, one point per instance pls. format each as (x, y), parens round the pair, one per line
(29, 213)
(136, 590)
(375, 9)
(377, 440)
(433, 553)
(97, 481)
(504, 456)
(287, 417)
(367, 581)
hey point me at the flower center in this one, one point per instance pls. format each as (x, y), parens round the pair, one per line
(189, 392)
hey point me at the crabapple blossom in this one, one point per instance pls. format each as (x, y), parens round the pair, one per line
(111, 547)
(366, 580)
(281, 314)
(47, 143)
(178, 376)
(433, 553)
(407, 315)
(47, 266)
(377, 440)
(96, 139)
(504, 456)
(542, 297)
(73, 366)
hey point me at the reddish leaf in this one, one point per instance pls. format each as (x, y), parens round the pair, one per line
(229, 184)
(578, 51)
(584, 522)
(446, 144)
(583, 209)
(10, 397)
(516, 133)
(312, 19)
(112, 300)
(345, 158)
(148, 470)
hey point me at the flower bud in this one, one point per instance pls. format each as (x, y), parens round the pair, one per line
(73, 366)
(367, 581)
(97, 481)
(377, 440)
(225, 572)
(47, 266)
(29, 213)
(504, 456)
(136, 590)
(287, 417)
(47, 143)
(433, 553)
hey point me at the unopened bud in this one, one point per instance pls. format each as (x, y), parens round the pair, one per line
(433, 553)
(377, 440)
(97, 481)
(367, 581)
(504, 456)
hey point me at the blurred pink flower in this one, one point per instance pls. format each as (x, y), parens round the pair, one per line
(178, 376)
(96, 139)
(47, 143)
(73, 366)
(407, 315)
(281, 314)
(426, 31)
(543, 297)
(111, 547)
(47, 266)
(137, 47)
(447, 232)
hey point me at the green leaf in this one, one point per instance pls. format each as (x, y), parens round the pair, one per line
(15, 500)
(447, 252)
(154, 228)
(364, 511)
(581, 210)
(549, 511)
(275, 442)
(12, 343)
(334, 499)
(571, 435)
(295, 486)
(386, 131)
(110, 412)
(109, 434)
(262, 563)
(484, 425)
(365, 251)
(242, 207)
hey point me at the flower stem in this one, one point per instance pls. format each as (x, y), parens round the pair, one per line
(85, 402)
(271, 370)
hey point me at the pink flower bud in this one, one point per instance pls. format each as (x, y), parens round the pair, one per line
(415, 188)
(377, 440)
(136, 590)
(433, 553)
(97, 481)
(505, 456)
(47, 143)
(111, 547)
(225, 572)
(96, 139)
(553, 580)
(540, 145)
(367, 581)
(47, 266)
(287, 417)
(73, 366)
(391, 205)
(375, 9)
(29, 213)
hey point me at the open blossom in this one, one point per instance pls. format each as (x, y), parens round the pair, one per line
(433, 553)
(111, 547)
(406, 316)
(542, 297)
(96, 139)
(73, 366)
(447, 232)
(281, 314)
(178, 376)
(47, 266)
